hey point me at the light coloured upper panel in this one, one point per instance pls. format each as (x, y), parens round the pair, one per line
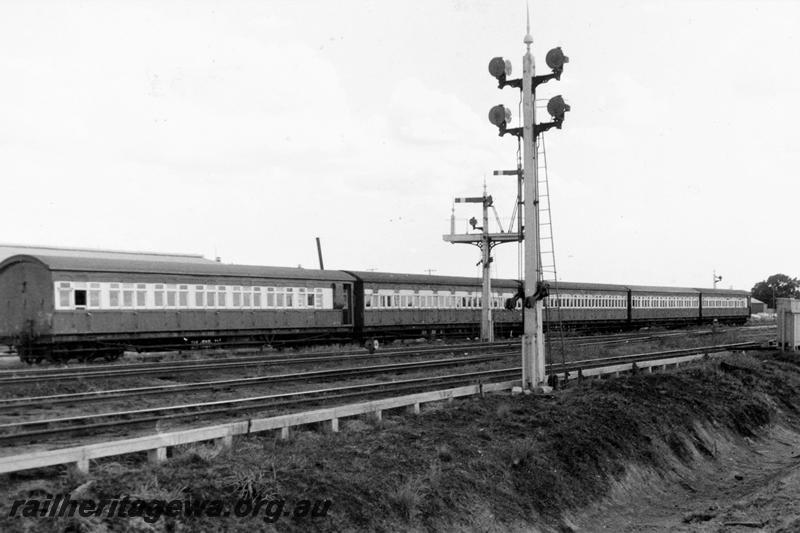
(7, 250)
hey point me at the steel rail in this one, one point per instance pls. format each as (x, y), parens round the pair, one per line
(37, 401)
(222, 407)
(553, 369)
(10, 377)
(650, 356)
(228, 407)
(315, 375)
(201, 366)
(239, 356)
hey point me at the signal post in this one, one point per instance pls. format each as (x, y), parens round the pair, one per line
(533, 364)
(533, 354)
(485, 241)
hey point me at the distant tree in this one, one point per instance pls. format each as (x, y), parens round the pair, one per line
(776, 286)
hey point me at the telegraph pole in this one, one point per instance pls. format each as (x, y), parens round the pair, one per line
(533, 355)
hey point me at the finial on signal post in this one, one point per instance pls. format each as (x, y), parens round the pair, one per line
(528, 37)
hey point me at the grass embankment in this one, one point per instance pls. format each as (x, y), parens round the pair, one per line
(482, 464)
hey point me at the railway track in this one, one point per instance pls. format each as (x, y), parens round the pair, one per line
(172, 368)
(31, 430)
(41, 375)
(7, 404)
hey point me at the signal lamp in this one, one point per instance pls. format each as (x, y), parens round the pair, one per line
(555, 59)
(500, 68)
(557, 107)
(500, 115)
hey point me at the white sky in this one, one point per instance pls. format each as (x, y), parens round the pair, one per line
(249, 128)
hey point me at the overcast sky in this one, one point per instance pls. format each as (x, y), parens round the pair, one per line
(245, 129)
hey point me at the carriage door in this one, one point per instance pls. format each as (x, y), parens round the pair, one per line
(347, 310)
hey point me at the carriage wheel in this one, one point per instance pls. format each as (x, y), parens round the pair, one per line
(113, 355)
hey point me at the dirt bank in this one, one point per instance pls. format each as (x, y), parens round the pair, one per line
(569, 461)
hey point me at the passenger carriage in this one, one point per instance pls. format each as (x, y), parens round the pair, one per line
(586, 305)
(66, 306)
(405, 305)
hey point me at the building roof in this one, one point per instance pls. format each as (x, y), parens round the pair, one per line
(188, 268)
(7, 250)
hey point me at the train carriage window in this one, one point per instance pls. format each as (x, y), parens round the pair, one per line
(367, 299)
(247, 297)
(141, 295)
(318, 302)
(113, 295)
(183, 295)
(257, 297)
(171, 295)
(416, 300)
(270, 296)
(383, 300)
(301, 297)
(199, 295)
(211, 296)
(127, 295)
(64, 294)
(236, 293)
(222, 296)
(80, 297)
(409, 301)
(94, 295)
(311, 299)
(289, 297)
(159, 296)
(280, 297)
(375, 300)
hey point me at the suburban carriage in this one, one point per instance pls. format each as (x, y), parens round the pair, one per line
(664, 305)
(92, 304)
(581, 305)
(61, 307)
(398, 305)
(724, 305)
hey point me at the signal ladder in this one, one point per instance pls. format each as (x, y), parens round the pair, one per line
(547, 254)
